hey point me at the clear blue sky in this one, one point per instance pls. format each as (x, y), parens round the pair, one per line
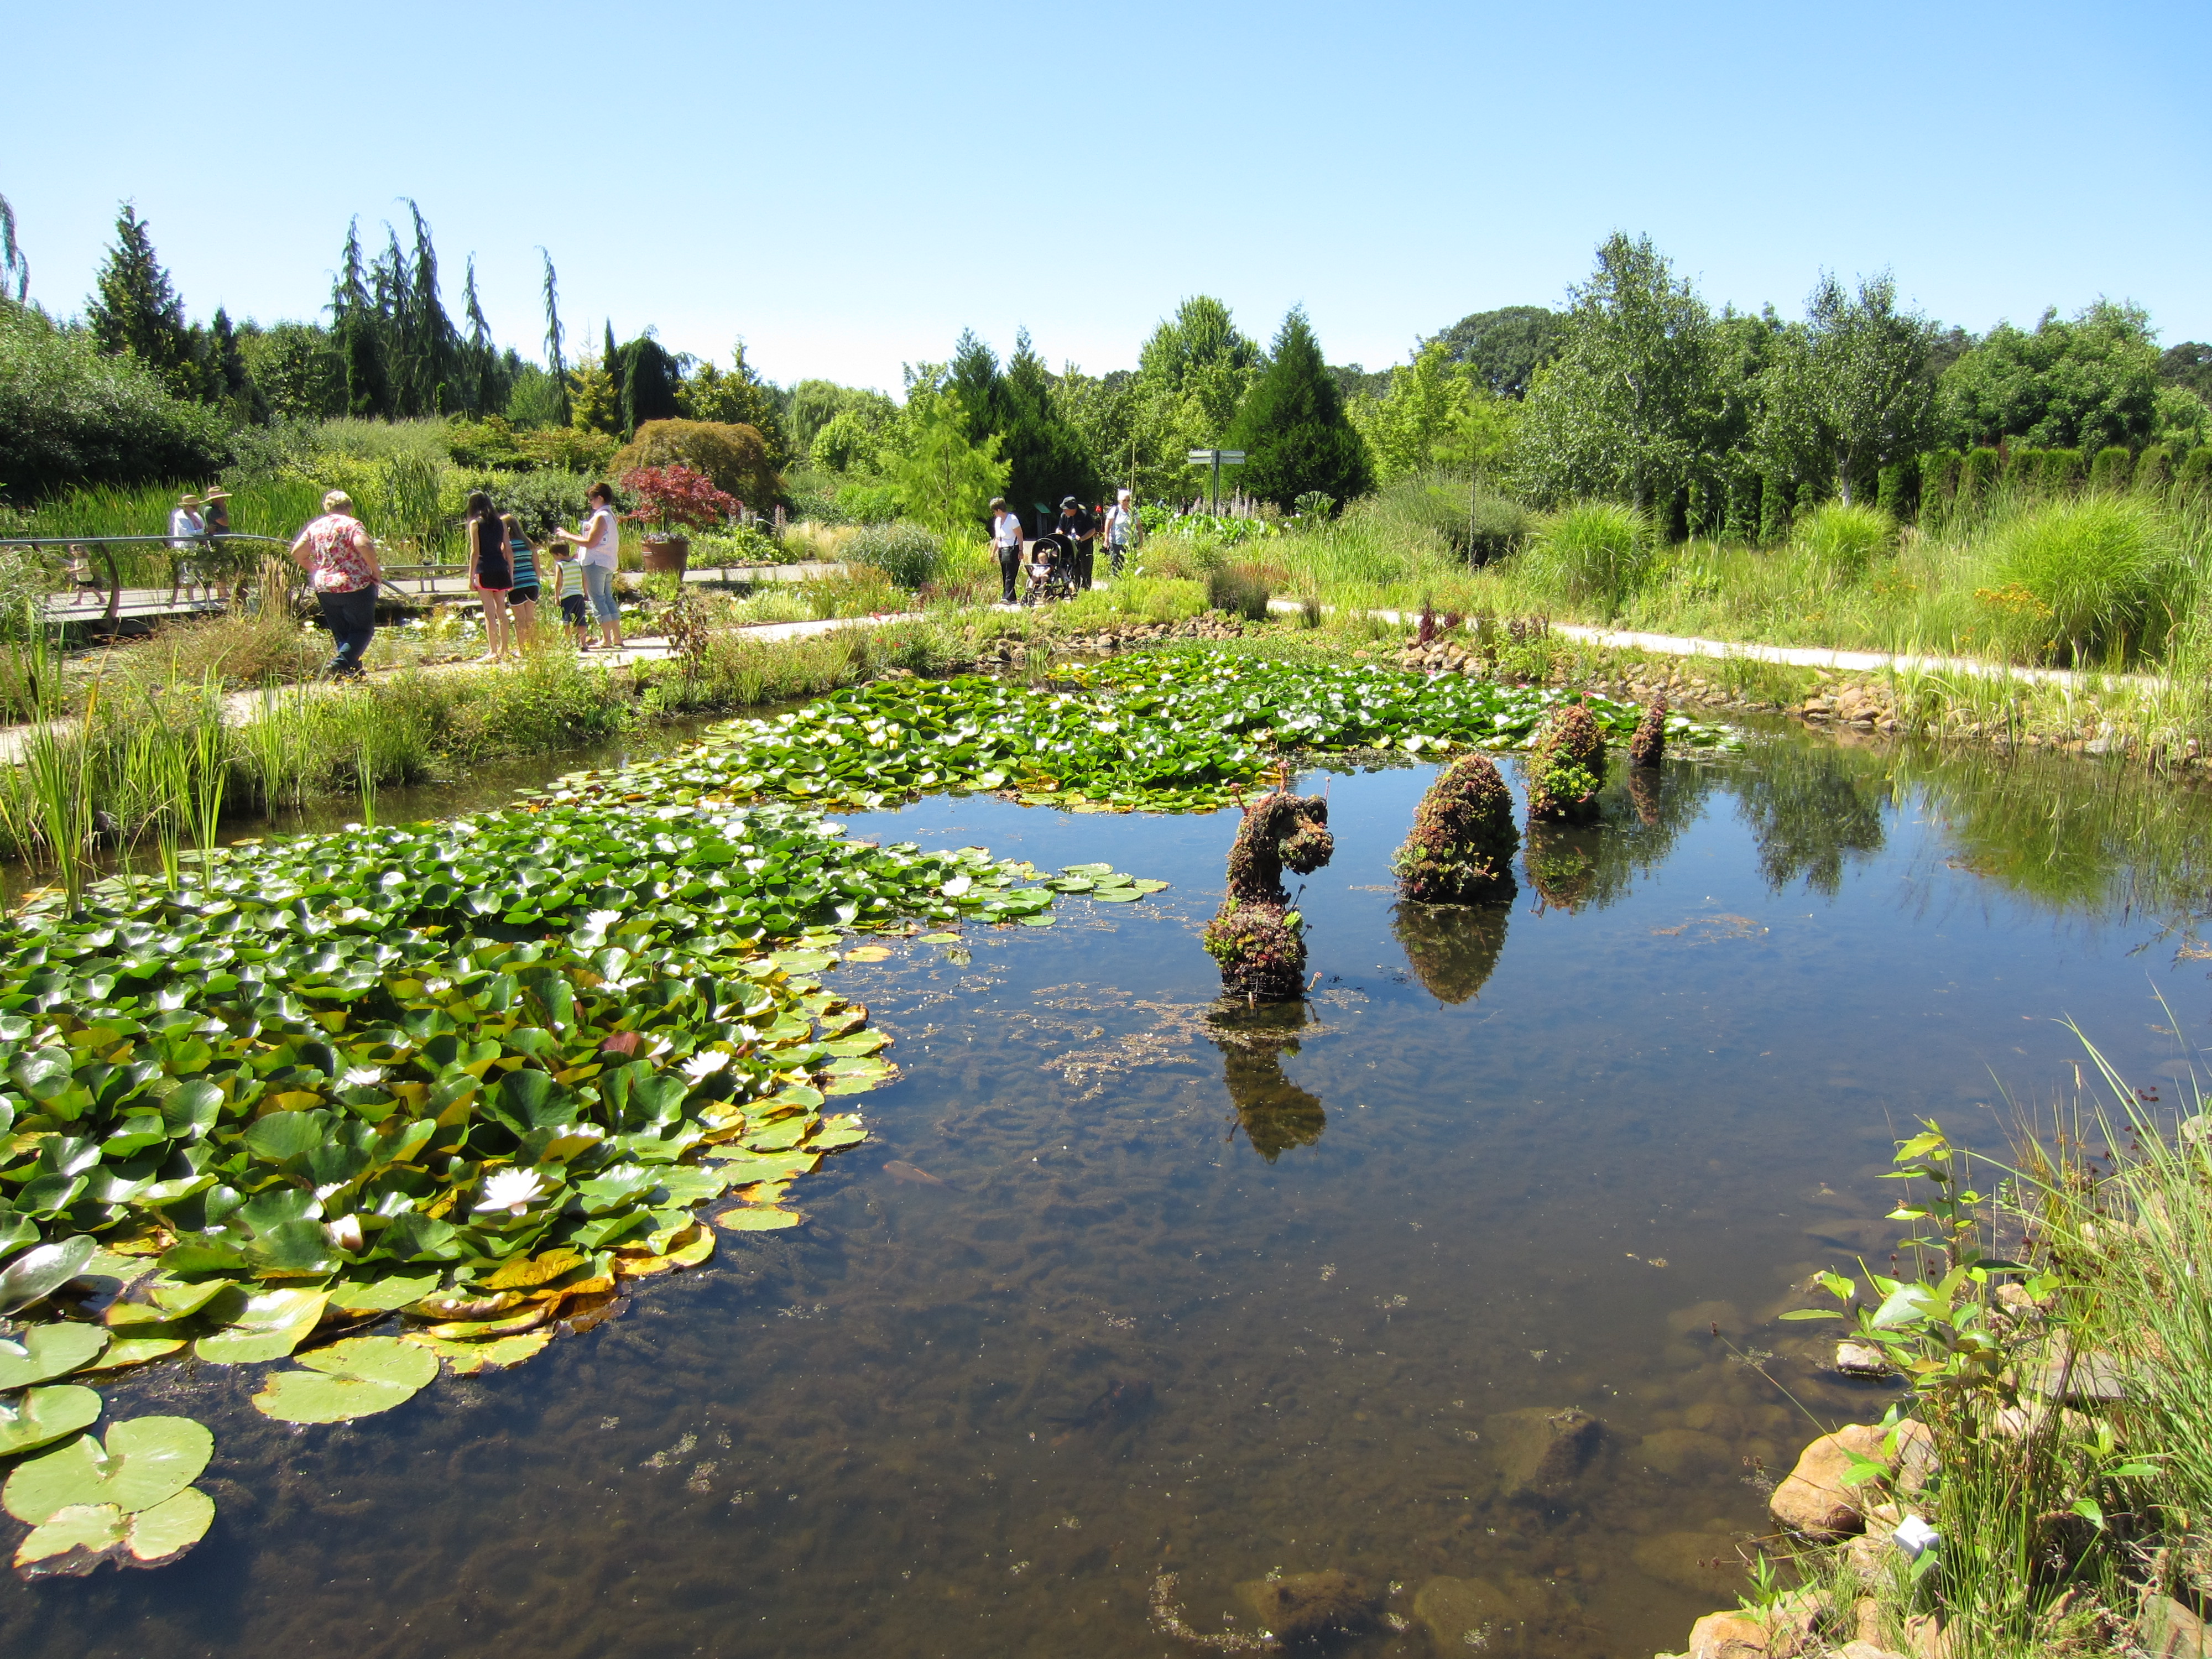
(847, 185)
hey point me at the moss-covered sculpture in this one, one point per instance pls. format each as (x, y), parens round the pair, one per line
(1566, 769)
(1255, 936)
(1462, 848)
(1649, 746)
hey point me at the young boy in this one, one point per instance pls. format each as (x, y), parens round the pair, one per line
(570, 588)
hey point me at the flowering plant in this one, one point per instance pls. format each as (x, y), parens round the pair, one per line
(676, 494)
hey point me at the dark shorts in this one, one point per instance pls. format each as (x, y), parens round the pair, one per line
(572, 609)
(525, 595)
(493, 572)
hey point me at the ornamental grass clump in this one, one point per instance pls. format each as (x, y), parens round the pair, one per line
(2075, 577)
(1256, 937)
(907, 553)
(1595, 552)
(1462, 848)
(1567, 769)
(1841, 539)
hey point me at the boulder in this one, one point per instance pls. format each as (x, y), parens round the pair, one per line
(1541, 1453)
(1301, 1606)
(1863, 1359)
(1728, 1636)
(1812, 1499)
(2170, 1631)
(1464, 1614)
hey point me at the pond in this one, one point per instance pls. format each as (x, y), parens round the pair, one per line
(1124, 1286)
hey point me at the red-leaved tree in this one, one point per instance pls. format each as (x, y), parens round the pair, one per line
(676, 494)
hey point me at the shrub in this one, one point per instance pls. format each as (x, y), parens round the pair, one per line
(867, 501)
(859, 590)
(1843, 540)
(1596, 551)
(1977, 475)
(2195, 469)
(2023, 467)
(1239, 590)
(2110, 469)
(541, 499)
(1741, 524)
(2101, 568)
(2062, 469)
(906, 553)
(2154, 468)
(1939, 482)
(1773, 511)
(734, 457)
(71, 415)
(1497, 527)
(1892, 484)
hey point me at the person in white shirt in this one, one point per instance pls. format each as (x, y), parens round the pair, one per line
(187, 533)
(1123, 532)
(600, 540)
(1006, 537)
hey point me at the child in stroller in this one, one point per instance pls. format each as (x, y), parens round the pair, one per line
(1051, 566)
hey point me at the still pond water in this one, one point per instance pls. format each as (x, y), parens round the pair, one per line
(1122, 1286)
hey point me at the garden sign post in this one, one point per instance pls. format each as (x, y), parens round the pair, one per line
(1216, 458)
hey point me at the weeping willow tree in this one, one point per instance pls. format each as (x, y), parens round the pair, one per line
(15, 269)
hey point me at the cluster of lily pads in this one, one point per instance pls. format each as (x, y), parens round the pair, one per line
(450, 1082)
(1150, 732)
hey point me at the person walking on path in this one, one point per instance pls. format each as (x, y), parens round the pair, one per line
(187, 533)
(600, 540)
(214, 515)
(341, 566)
(489, 575)
(1006, 538)
(569, 589)
(1077, 530)
(1123, 532)
(522, 597)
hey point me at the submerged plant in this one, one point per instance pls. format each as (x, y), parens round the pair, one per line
(1464, 840)
(1567, 769)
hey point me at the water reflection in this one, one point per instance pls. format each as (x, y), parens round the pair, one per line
(1813, 809)
(1274, 1112)
(1452, 948)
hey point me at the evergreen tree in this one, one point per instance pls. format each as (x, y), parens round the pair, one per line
(137, 309)
(974, 375)
(649, 378)
(485, 383)
(357, 328)
(1045, 457)
(1292, 429)
(556, 365)
(611, 361)
(738, 397)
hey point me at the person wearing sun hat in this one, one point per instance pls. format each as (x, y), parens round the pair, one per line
(188, 530)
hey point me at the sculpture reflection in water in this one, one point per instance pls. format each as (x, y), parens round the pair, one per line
(1274, 1112)
(1588, 866)
(1452, 948)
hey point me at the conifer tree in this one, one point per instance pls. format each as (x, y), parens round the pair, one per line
(1292, 427)
(137, 309)
(14, 267)
(555, 364)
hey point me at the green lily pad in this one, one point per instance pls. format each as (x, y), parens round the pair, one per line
(385, 1295)
(82, 1536)
(44, 1416)
(49, 1351)
(804, 962)
(145, 1459)
(469, 1358)
(940, 939)
(40, 1271)
(1116, 895)
(357, 1377)
(267, 1325)
(136, 1349)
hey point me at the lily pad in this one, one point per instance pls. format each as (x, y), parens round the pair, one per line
(39, 1272)
(266, 1326)
(80, 1538)
(135, 1350)
(357, 1377)
(47, 1352)
(44, 1416)
(469, 1358)
(940, 939)
(866, 953)
(385, 1295)
(146, 1460)
(752, 1220)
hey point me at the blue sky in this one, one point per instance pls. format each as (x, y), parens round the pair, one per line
(849, 185)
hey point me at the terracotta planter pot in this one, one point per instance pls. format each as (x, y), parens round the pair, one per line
(667, 553)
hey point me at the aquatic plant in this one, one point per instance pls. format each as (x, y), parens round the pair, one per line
(475, 1074)
(1648, 746)
(1567, 770)
(1256, 937)
(1462, 848)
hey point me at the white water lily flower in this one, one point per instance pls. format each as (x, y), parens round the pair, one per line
(510, 1190)
(603, 917)
(706, 1064)
(344, 1232)
(362, 1076)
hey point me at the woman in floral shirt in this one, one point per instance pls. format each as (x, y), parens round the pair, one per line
(340, 560)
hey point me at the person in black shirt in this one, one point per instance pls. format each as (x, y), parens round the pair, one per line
(1076, 525)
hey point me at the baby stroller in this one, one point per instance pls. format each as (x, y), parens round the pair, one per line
(1051, 566)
